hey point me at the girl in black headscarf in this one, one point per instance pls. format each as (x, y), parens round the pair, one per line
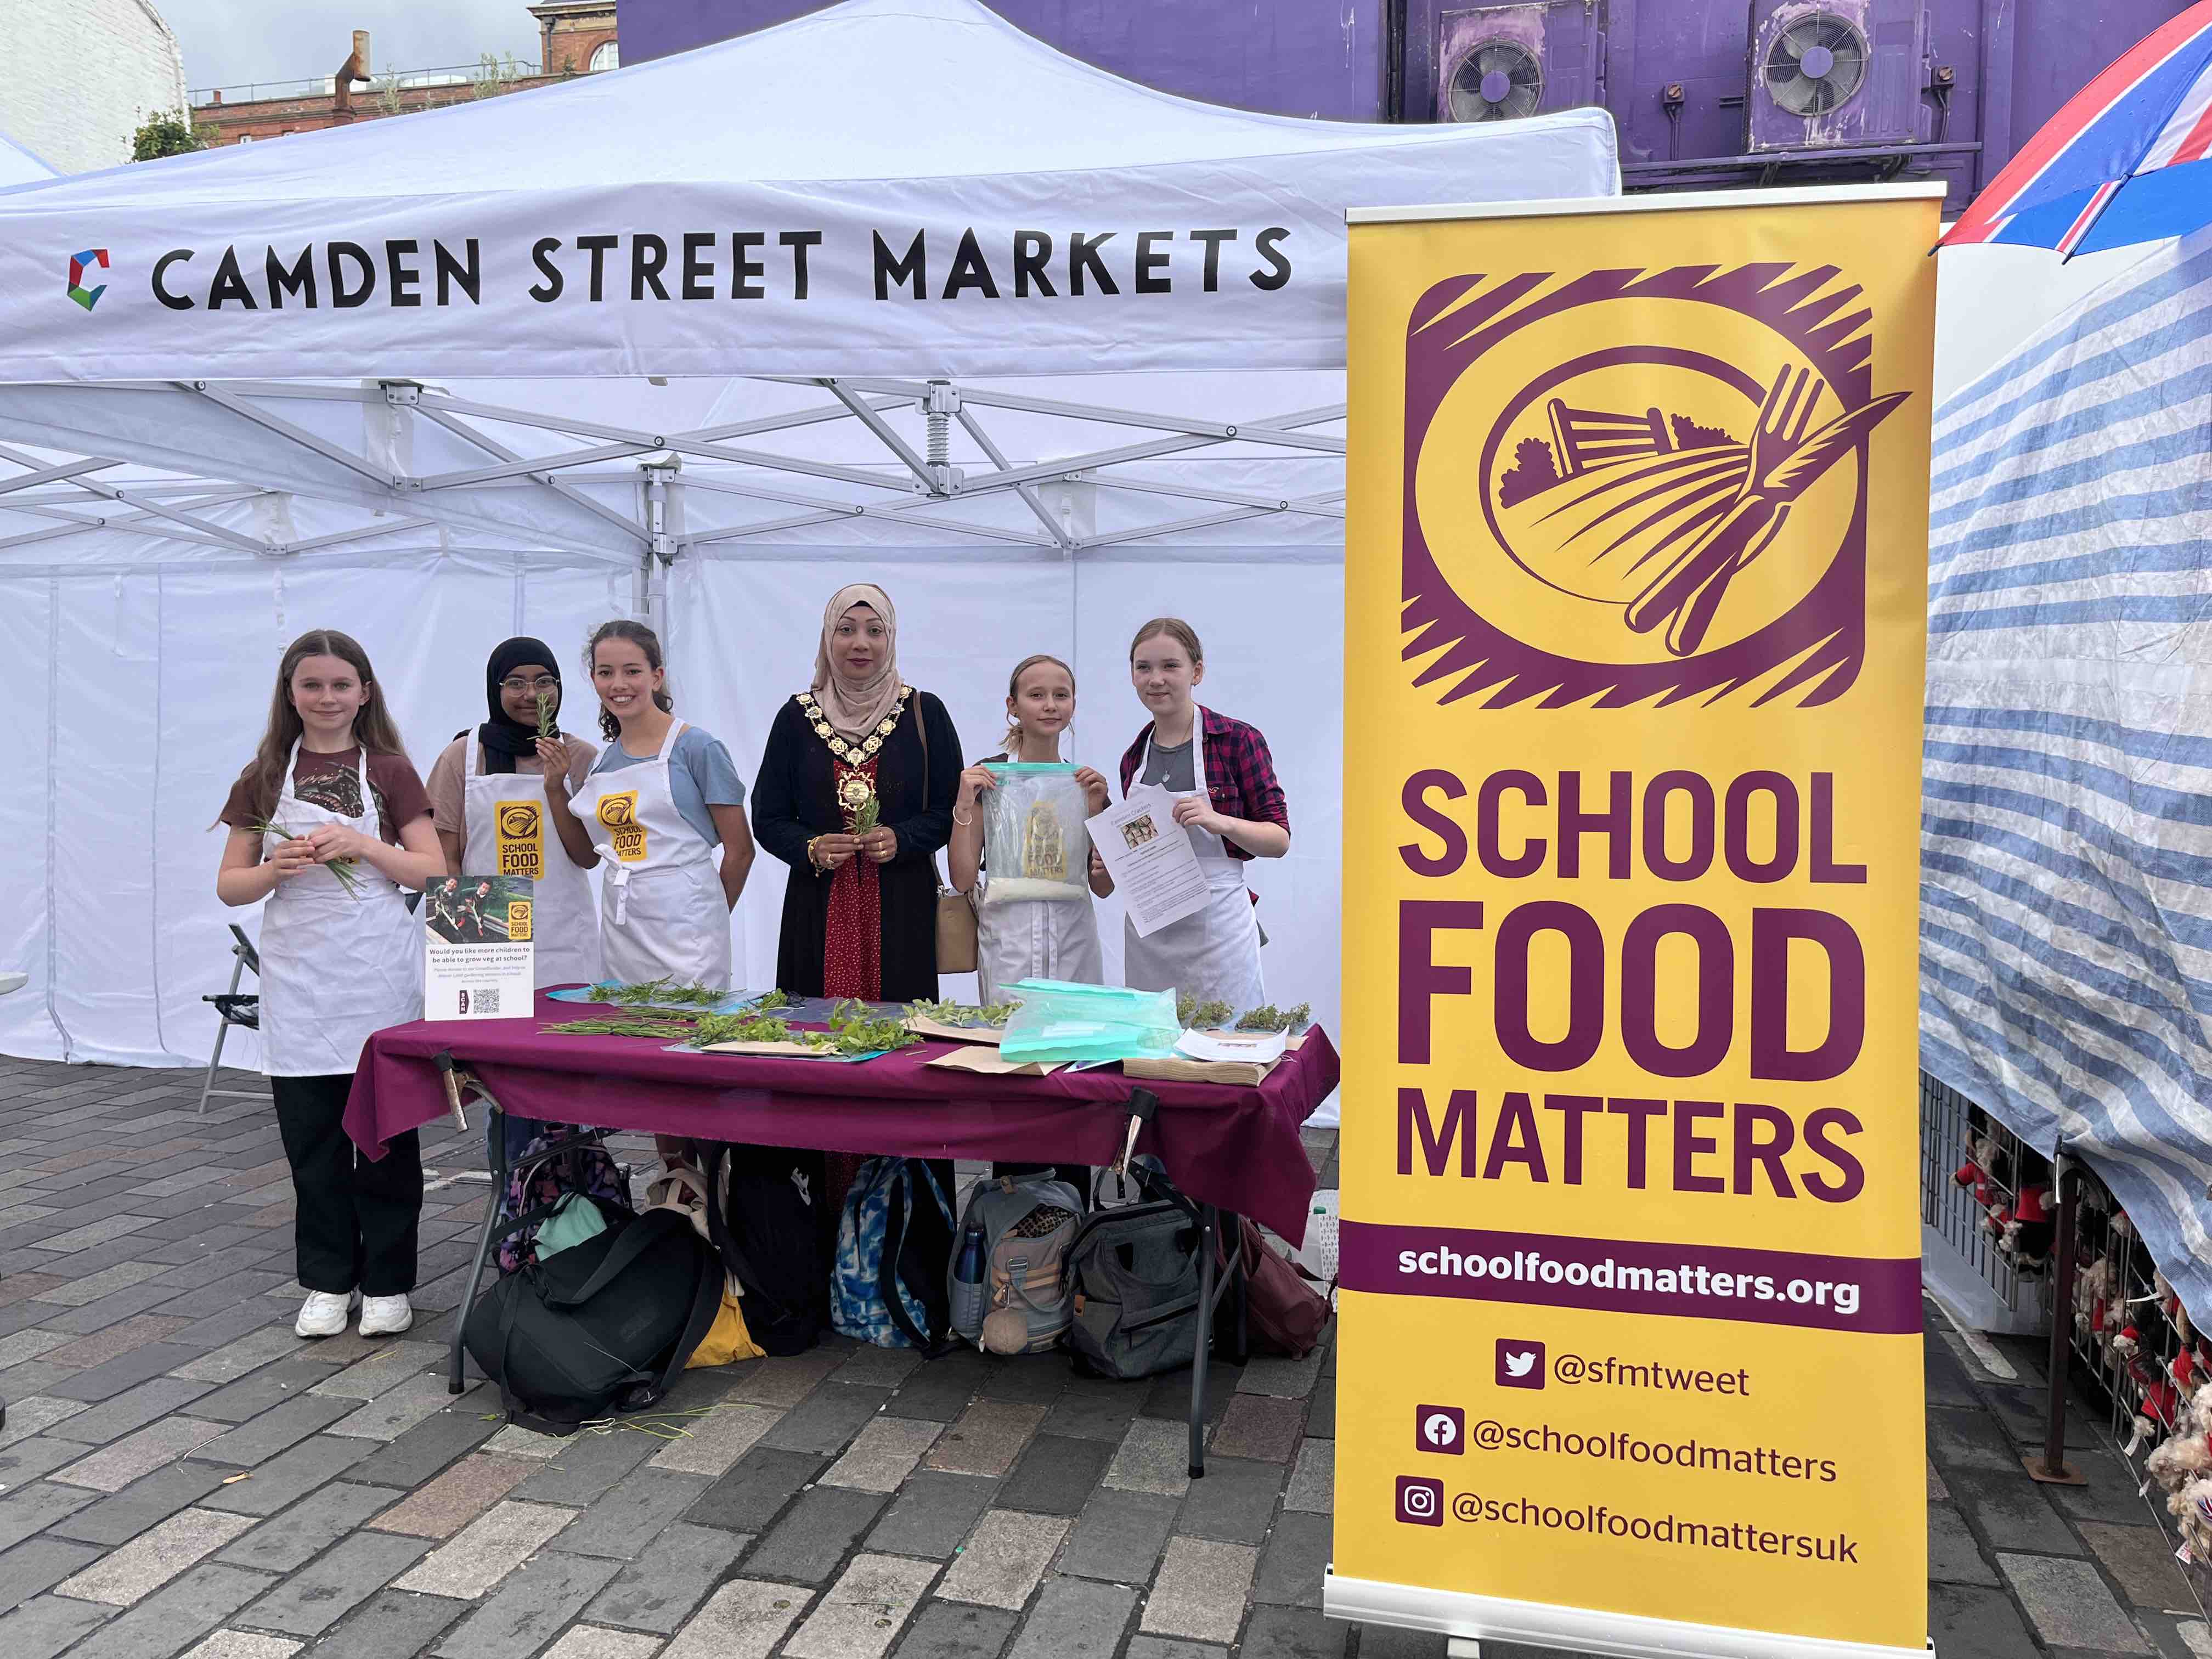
(487, 800)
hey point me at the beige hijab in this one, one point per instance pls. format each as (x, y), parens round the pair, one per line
(854, 711)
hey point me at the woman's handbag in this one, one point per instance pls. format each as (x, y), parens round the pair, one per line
(956, 916)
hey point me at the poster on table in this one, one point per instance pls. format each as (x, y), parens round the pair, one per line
(1636, 600)
(479, 960)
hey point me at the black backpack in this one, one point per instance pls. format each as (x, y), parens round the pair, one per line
(760, 1214)
(602, 1327)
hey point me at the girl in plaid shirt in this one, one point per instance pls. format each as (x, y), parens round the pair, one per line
(1231, 807)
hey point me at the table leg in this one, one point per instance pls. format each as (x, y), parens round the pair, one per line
(1208, 1230)
(1240, 1286)
(495, 1146)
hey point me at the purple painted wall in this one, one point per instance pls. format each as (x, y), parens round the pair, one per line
(1677, 74)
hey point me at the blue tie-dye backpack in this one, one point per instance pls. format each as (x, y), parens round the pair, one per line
(894, 1248)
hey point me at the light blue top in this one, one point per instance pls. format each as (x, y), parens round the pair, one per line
(700, 776)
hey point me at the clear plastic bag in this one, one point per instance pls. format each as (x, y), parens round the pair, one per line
(1060, 1022)
(1035, 843)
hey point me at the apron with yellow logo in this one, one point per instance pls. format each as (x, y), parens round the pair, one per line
(661, 910)
(509, 836)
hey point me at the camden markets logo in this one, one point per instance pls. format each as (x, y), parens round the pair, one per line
(81, 266)
(1638, 486)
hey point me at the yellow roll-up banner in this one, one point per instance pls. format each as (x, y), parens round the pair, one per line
(1636, 585)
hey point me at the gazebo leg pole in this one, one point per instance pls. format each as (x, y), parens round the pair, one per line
(2049, 1466)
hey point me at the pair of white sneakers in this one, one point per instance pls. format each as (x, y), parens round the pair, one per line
(325, 1313)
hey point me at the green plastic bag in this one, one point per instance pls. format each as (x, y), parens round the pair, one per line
(574, 1220)
(1061, 1022)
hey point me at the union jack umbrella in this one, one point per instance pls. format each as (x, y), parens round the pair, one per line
(2125, 160)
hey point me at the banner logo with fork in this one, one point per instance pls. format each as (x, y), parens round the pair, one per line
(1631, 486)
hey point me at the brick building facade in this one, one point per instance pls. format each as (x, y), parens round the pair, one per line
(75, 109)
(575, 37)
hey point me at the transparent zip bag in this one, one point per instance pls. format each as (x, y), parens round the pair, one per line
(1056, 1021)
(1035, 842)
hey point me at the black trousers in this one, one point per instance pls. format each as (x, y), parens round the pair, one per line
(357, 1220)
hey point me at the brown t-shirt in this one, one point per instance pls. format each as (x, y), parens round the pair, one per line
(333, 781)
(449, 778)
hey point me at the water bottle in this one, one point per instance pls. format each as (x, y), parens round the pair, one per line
(968, 1274)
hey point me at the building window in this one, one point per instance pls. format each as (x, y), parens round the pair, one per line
(607, 57)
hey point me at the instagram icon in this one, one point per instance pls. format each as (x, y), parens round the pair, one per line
(1420, 1503)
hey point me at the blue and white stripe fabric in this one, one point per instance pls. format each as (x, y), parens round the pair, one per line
(2066, 919)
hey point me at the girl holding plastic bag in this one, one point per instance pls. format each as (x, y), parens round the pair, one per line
(1019, 848)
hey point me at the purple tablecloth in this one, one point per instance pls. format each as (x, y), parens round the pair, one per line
(1225, 1144)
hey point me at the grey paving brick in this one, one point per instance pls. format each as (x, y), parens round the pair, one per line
(77, 1292)
(102, 1231)
(1074, 1619)
(29, 1345)
(529, 1608)
(177, 1616)
(288, 1379)
(127, 1370)
(1312, 1487)
(872, 1367)
(743, 1620)
(941, 1389)
(41, 1629)
(427, 1447)
(2012, 1513)
(627, 1518)
(263, 1343)
(389, 1624)
(864, 1611)
(1167, 1647)
(36, 1414)
(1201, 1589)
(1233, 1502)
(757, 1486)
(1030, 1379)
(659, 1592)
(1970, 1439)
(1004, 1559)
(1954, 1555)
(586, 1465)
(1056, 1475)
(1169, 1395)
(1095, 1408)
(289, 1540)
(133, 1409)
(710, 1445)
(31, 1509)
(933, 1513)
(986, 1438)
(1292, 1564)
(1383, 1642)
(1260, 1427)
(399, 1408)
(320, 1593)
(2069, 1606)
(37, 1564)
(474, 1559)
(590, 1642)
(144, 1502)
(2142, 1562)
(289, 1477)
(41, 1454)
(384, 1370)
(1287, 1379)
(946, 1630)
(883, 1454)
(126, 1576)
(1118, 1536)
(1154, 1457)
(115, 1466)
(814, 1534)
(784, 1380)
(1295, 1633)
(455, 1498)
(827, 1419)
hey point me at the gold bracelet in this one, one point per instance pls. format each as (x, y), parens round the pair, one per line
(957, 819)
(811, 859)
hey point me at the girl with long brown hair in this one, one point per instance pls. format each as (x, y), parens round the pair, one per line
(327, 823)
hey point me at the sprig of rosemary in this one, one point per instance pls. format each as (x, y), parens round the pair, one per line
(548, 729)
(347, 872)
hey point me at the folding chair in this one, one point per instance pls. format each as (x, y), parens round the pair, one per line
(234, 1009)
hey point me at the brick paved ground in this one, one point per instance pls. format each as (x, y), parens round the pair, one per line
(181, 1475)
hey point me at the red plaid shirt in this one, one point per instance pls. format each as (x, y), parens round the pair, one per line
(1240, 773)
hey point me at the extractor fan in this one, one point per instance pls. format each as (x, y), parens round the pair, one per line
(1814, 64)
(1497, 80)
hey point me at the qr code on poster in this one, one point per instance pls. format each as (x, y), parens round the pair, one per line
(486, 1001)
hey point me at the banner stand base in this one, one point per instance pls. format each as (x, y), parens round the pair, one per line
(1470, 1620)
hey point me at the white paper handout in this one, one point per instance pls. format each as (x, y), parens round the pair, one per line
(1155, 872)
(479, 960)
(1261, 1048)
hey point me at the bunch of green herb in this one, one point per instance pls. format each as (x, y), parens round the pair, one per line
(548, 729)
(1268, 1017)
(636, 1026)
(854, 1029)
(347, 872)
(664, 994)
(1211, 1016)
(738, 1027)
(964, 1014)
(773, 999)
(1186, 1008)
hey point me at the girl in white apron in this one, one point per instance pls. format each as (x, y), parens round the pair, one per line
(1230, 805)
(327, 824)
(659, 799)
(488, 790)
(1020, 939)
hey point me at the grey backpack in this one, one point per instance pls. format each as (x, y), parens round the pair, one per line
(1136, 1271)
(1021, 1300)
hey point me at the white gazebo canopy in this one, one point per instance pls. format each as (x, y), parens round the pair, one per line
(1045, 351)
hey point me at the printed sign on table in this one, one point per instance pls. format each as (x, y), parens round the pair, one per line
(1636, 589)
(479, 960)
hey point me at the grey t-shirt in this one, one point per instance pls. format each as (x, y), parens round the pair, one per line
(700, 776)
(1172, 768)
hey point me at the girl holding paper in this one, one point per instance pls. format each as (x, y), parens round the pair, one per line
(1229, 804)
(327, 823)
(1021, 937)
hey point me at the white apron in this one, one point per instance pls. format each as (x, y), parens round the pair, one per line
(510, 835)
(334, 967)
(1035, 938)
(1215, 954)
(661, 910)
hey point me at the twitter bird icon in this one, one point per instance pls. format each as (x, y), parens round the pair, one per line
(1519, 1363)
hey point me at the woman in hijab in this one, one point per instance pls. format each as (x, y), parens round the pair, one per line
(855, 794)
(488, 803)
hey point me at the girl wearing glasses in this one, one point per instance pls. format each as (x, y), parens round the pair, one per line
(488, 801)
